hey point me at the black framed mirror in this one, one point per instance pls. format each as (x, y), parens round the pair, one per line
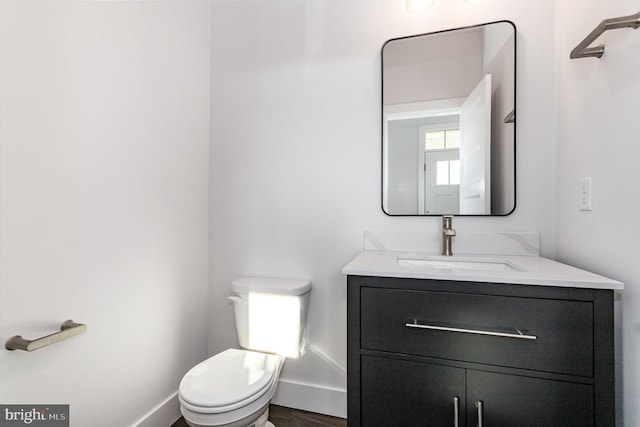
(448, 122)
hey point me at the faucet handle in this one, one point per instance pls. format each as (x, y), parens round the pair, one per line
(447, 233)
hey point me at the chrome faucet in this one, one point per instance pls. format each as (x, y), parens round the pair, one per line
(447, 233)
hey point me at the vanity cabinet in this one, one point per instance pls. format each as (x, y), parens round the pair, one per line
(425, 352)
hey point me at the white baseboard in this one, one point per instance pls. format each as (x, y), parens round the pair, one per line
(311, 397)
(165, 414)
(306, 397)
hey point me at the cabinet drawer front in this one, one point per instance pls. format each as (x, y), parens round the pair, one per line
(527, 333)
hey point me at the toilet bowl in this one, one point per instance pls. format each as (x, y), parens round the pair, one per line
(230, 389)
(234, 388)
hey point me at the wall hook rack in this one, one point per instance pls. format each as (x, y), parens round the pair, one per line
(68, 329)
(584, 51)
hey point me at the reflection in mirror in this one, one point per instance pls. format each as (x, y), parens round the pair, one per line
(448, 118)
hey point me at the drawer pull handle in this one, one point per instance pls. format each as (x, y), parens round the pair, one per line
(456, 409)
(518, 333)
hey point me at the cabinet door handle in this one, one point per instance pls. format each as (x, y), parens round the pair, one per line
(517, 333)
(479, 407)
(456, 409)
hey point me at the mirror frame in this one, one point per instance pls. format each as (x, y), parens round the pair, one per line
(514, 112)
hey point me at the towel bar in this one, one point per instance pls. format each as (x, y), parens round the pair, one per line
(584, 51)
(68, 329)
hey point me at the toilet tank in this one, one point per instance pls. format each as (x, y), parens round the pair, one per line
(271, 313)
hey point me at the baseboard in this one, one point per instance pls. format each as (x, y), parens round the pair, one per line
(311, 397)
(306, 397)
(165, 414)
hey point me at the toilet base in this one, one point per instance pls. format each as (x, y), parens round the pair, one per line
(252, 421)
(263, 420)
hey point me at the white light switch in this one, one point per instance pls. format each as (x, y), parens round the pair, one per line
(585, 193)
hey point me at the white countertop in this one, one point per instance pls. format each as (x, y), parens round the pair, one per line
(534, 270)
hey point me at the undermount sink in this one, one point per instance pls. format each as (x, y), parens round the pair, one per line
(457, 263)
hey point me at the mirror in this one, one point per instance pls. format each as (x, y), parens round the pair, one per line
(448, 122)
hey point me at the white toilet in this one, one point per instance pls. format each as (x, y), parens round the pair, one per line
(234, 388)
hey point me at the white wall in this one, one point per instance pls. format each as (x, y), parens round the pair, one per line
(295, 155)
(104, 113)
(598, 137)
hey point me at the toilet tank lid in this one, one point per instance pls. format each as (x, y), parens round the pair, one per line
(271, 285)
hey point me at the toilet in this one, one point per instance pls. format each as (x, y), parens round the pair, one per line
(234, 388)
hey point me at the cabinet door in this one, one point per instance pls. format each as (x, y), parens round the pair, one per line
(401, 393)
(510, 400)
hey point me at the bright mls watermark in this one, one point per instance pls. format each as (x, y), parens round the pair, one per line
(34, 415)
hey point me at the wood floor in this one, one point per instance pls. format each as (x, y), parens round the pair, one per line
(287, 417)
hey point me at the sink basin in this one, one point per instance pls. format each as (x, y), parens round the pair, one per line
(447, 263)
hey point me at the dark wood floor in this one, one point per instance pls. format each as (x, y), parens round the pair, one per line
(287, 417)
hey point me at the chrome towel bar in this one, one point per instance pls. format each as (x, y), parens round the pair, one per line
(584, 51)
(68, 329)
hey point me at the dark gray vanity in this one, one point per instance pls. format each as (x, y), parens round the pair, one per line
(457, 353)
(477, 340)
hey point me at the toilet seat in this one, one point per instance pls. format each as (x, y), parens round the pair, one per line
(229, 380)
